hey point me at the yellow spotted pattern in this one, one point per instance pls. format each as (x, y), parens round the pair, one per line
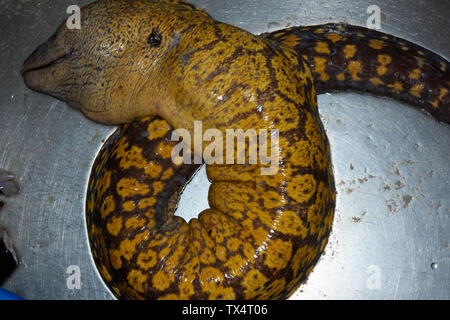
(346, 57)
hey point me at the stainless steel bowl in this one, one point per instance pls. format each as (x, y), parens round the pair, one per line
(391, 232)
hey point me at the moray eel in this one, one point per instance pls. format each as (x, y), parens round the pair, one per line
(346, 57)
(155, 66)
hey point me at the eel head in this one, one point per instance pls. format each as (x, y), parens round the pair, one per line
(111, 68)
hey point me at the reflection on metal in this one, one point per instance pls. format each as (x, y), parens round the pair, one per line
(391, 234)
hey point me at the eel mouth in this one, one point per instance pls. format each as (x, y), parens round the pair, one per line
(27, 67)
(42, 70)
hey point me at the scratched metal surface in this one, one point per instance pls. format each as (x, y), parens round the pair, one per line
(391, 163)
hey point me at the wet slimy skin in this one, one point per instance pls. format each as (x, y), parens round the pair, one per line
(158, 65)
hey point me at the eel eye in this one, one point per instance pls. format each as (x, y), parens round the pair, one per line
(154, 39)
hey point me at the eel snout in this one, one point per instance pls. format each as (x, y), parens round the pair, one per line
(44, 70)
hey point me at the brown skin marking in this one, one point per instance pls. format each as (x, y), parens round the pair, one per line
(169, 61)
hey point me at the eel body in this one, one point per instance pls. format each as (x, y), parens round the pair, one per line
(156, 66)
